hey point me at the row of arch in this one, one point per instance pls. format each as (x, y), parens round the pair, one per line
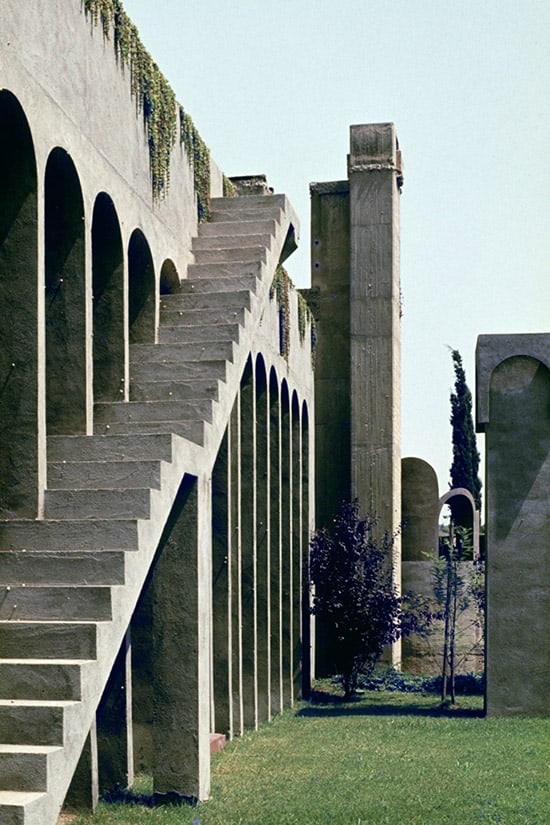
(72, 300)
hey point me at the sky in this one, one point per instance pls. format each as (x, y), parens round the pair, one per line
(273, 88)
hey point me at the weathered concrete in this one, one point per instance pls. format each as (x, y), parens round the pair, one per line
(513, 403)
(419, 510)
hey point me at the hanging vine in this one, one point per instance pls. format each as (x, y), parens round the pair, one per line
(198, 155)
(280, 289)
(154, 96)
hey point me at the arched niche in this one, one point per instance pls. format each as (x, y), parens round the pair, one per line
(141, 290)
(108, 301)
(169, 278)
(19, 473)
(65, 292)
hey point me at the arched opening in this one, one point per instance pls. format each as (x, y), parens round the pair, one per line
(141, 290)
(108, 301)
(286, 544)
(470, 518)
(275, 545)
(263, 584)
(19, 475)
(305, 590)
(169, 278)
(65, 308)
(296, 549)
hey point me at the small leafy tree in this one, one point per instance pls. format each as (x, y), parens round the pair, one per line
(354, 594)
(455, 593)
(465, 466)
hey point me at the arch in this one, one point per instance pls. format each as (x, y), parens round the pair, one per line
(275, 545)
(466, 494)
(65, 296)
(305, 594)
(19, 462)
(420, 509)
(169, 278)
(141, 290)
(108, 301)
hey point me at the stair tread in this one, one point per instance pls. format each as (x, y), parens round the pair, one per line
(38, 749)
(20, 797)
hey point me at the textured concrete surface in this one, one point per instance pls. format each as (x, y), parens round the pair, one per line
(513, 403)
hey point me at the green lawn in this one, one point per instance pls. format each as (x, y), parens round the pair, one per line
(390, 758)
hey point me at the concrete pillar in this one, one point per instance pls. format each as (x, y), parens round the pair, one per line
(375, 310)
(141, 630)
(263, 595)
(275, 545)
(115, 745)
(182, 636)
(286, 547)
(222, 716)
(235, 569)
(296, 558)
(308, 525)
(248, 529)
(513, 409)
(83, 793)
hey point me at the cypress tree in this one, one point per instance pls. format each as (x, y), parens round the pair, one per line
(465, 466)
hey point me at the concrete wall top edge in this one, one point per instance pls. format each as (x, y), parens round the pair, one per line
(338, 187)
(493, 350)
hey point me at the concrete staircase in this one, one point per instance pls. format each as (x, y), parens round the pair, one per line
(69, 583)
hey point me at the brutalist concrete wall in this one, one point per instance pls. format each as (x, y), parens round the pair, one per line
(513, 410)
(72, 139)
(330, 248)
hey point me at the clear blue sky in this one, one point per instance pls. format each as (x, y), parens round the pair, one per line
(273, 88)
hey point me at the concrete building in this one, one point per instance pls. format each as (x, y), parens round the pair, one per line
(156, 484)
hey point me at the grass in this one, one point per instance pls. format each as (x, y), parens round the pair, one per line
(386, 759)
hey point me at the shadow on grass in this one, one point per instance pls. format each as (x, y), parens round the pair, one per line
(126, 796)
(323, 704)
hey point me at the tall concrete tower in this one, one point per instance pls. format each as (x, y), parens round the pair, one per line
(357, 299)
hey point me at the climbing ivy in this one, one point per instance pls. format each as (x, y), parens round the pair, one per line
(198, 155)
(229, 190)
(280, 289)
(154, 96)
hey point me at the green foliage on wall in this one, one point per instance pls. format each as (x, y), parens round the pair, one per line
(198, 155)
(280, 289)
(157, 103)
(229, 190)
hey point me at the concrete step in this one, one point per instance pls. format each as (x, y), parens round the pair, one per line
(42, 680)
(21, 603)
(21, 807)
(191, 334)
(178, 371)
(208, 243)
(98, 448)
(192, 430)
(78, 535)
(259, 203)
(152, 411)
(92, 475)
(209, 317)
(48, 640)
(225, 276)
(25, 767)
(244, 255)
(93, 504)
(196, 300)
(174, 390)
(174, 353)
(31, 722)
(34, 567)
(259, 226)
